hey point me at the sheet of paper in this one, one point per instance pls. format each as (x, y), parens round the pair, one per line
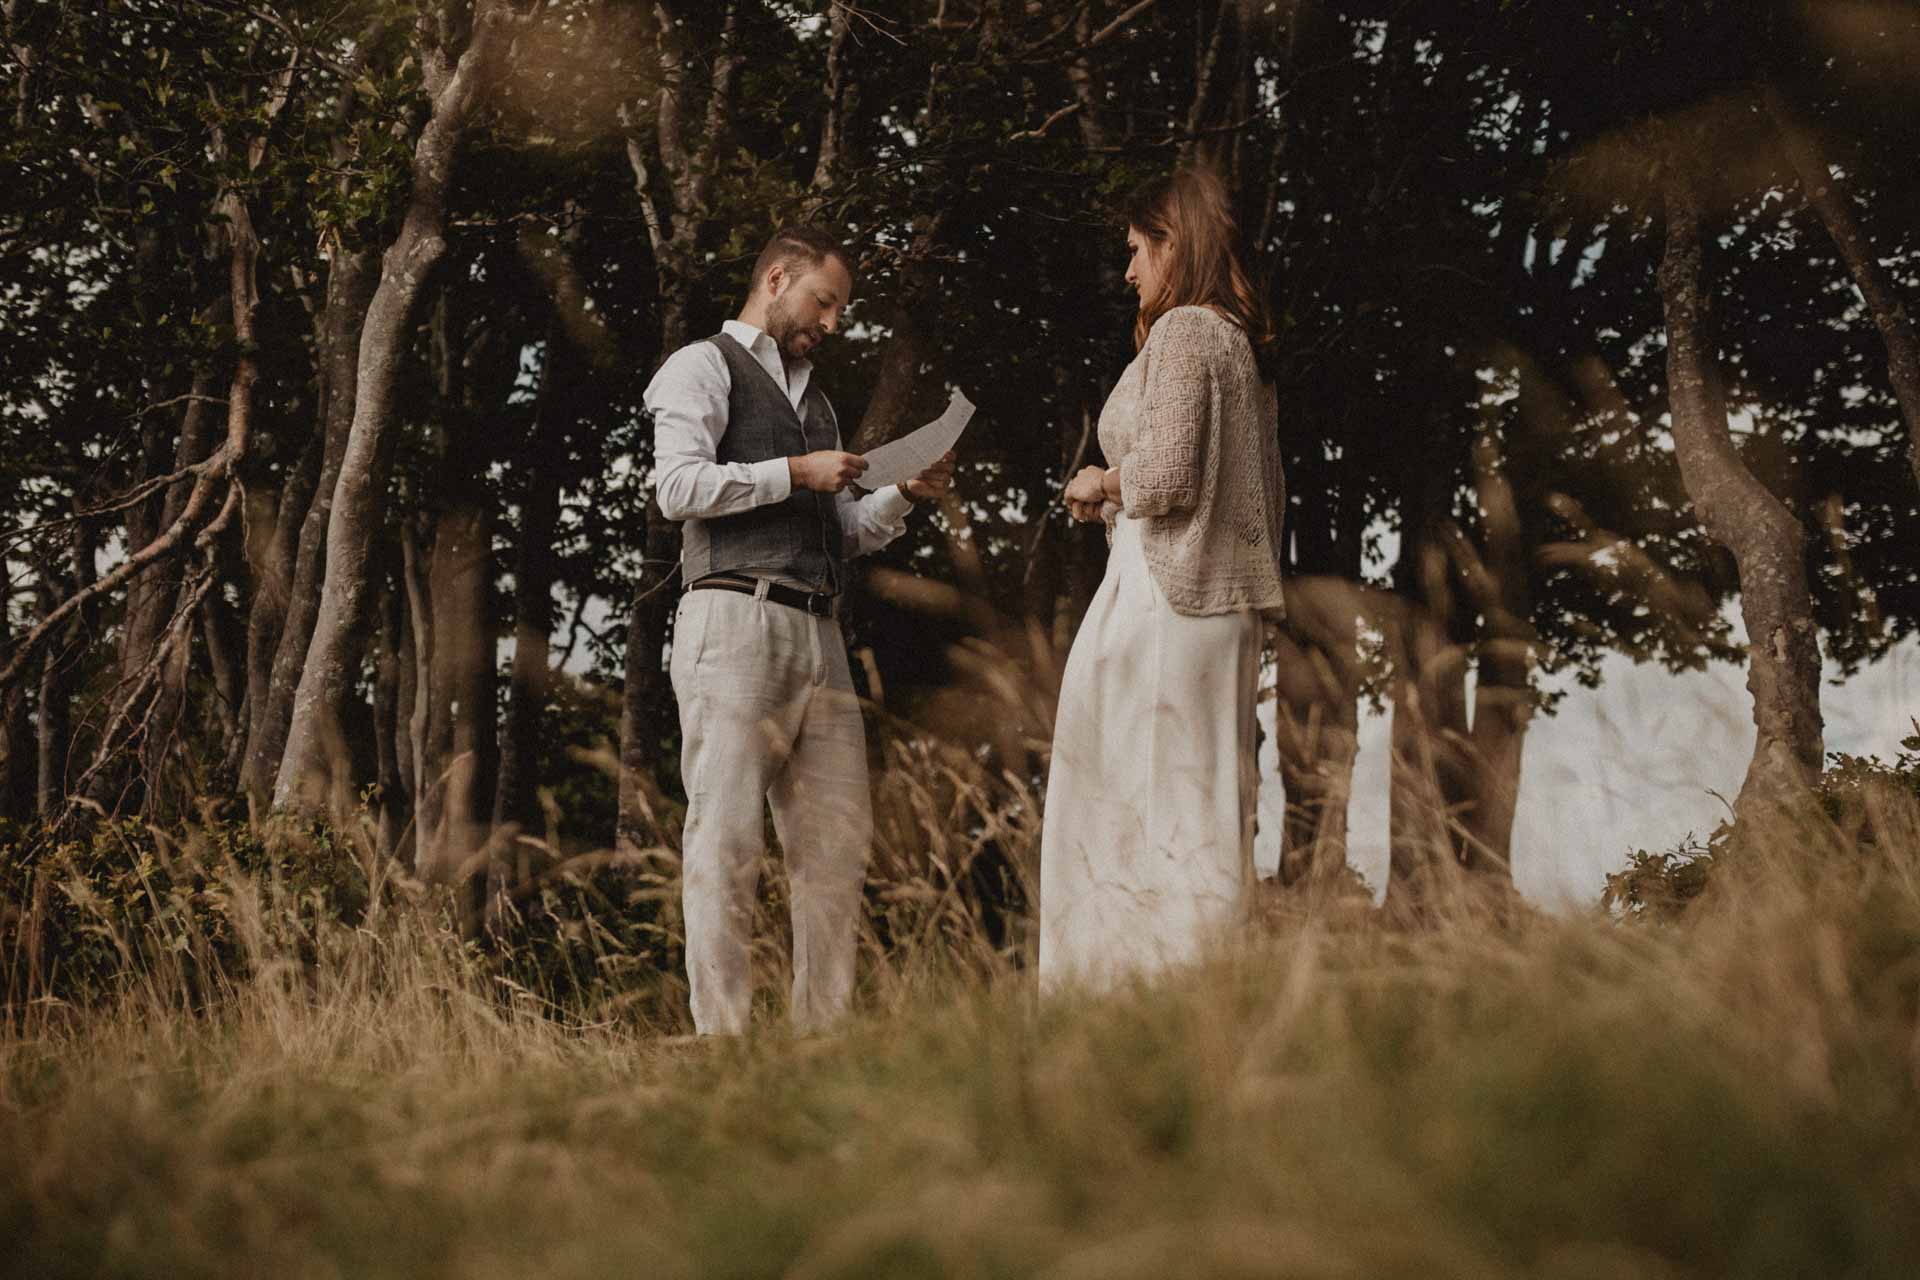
(905, 458)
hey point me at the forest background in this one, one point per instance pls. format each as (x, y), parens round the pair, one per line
(327, 324)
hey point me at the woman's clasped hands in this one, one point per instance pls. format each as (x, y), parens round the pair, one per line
(1086, 494)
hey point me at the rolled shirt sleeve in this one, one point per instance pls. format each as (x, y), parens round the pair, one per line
(1161, 473)
(688, 401)
(870, 523)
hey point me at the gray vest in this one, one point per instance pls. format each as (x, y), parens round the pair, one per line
(798, 538)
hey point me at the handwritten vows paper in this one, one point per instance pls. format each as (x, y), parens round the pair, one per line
(907, 457)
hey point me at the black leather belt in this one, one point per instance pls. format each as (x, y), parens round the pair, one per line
(818, 603)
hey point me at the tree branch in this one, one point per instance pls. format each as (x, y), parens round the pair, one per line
(1833, 202)
(166, 544)
(1113, 28)
(1048, 123)
(719, 112)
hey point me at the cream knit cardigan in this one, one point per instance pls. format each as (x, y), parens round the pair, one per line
(1195, 434)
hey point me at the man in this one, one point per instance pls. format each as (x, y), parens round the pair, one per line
(749, 459)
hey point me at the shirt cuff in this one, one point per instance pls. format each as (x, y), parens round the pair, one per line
(892, 505)
(772, 481)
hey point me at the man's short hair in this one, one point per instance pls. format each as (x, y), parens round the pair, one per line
(799, 248)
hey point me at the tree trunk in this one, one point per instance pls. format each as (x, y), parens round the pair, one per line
(407, 697)
(26, 57)
(272, 561)
(1429, 775)
(534, 571)
(293, 612)
(59, 672)
(1422, 856)
(1088, 92)
(1503, 703)
(1318, 679)
(221, 632)
(161, 737)
(16, 756)
(416, 685)
(461, 742)
(843, 95)
(1741, 514)
(415, 659)
(148, 591)
(55, 728)
(16, 739)
(1220, 60)
(1316, 722)
(1830, 198)
(647, 705)
(1500, 586)
(900, 359)
(313, 775)
(392, 807)
(1318, 741)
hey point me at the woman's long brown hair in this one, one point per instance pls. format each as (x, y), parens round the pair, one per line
(1188, 217)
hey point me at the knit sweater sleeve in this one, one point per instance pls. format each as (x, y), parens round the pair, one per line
(1161, 473)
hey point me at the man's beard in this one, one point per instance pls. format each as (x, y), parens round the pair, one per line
(784, 330)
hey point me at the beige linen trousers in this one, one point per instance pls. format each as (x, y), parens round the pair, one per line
(767, 709)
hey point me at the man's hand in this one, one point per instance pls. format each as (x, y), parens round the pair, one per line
(825, 471)
(1086, 494)
(932, 482)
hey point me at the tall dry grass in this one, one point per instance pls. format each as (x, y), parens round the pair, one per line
(1494, 1094)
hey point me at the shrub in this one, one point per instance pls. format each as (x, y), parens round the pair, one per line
(591, 936)
(1661, 886)
(82, 917)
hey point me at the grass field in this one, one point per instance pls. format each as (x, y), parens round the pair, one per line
(1734, 1094)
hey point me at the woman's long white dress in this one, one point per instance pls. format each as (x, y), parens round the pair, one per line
(1147, 844)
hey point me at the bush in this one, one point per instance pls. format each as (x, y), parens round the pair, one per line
(592, 937)
(1661, 886)
(84, 917)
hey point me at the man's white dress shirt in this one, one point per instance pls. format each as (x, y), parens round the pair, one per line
(688, 400)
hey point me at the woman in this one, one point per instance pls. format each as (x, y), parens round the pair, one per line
(1146, 851)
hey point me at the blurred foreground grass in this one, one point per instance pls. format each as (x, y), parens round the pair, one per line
(1730, 1094)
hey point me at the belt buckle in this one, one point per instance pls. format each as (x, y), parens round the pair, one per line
(824, 606)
